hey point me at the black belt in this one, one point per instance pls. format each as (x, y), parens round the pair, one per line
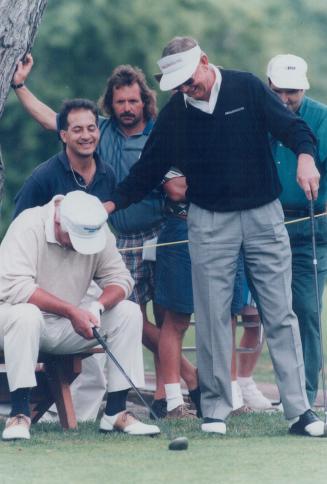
(302, 213)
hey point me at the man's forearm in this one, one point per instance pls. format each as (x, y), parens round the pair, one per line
(111, 296)
(51, 304)
(42, 113)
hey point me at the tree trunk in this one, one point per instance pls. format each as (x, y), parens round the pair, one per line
(19, 22)
(2, 178)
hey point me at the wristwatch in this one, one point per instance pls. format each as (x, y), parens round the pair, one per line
(17, 86)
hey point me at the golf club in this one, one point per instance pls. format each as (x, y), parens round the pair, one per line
(177, 443)
(315, 271)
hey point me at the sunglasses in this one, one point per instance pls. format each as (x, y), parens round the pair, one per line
(187, 83)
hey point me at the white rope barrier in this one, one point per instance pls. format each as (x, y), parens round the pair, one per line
(166, 244)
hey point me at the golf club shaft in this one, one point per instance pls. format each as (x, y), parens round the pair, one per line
(104, 345)
(315, 271)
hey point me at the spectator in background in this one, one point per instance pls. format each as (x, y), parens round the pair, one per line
(287, 77)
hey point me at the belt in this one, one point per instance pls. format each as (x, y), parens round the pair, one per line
(301, 213)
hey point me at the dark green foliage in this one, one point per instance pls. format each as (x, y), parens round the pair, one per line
(80, 41)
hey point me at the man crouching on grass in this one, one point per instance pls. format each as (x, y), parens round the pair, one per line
(48, 259)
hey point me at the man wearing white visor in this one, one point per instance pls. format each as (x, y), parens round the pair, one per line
(215, 130)
(48, 258)
(287, 77)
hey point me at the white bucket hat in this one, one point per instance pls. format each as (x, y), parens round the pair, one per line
(84, 218)
(178, 68)
(287, 71)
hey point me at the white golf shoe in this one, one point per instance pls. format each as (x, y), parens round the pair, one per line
(17, 427)
(127, 422)
(252, 396)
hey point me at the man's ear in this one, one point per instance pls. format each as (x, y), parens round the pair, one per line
(63, 135)
(204, 59)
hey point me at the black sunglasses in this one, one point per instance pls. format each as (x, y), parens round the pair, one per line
(187, 83)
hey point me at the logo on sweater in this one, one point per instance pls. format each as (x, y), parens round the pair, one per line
(233, 111)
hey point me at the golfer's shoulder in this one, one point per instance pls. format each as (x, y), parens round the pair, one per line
(29, 224)
(174, 109)
(238, 77)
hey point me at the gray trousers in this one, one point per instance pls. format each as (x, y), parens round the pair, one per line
(215, 241)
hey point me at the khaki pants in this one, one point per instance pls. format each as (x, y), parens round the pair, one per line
(25, 330)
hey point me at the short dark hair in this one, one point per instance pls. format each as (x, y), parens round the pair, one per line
(179, 44)
(74, 104)
(126, 75)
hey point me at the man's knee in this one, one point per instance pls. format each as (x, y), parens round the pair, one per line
(27, 315)
(126, 313)
(179, 322)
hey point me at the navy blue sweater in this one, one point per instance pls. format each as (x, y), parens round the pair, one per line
(54, 177)
(226, 155)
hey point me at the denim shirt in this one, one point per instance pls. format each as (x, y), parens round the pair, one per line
(122, 152)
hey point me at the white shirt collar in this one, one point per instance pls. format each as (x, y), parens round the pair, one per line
(207, 106)
(49, 223)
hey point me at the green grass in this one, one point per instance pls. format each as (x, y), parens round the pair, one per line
(257, 449)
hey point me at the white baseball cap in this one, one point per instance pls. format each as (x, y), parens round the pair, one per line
(288, 71)
(178, 68)
(84, 218)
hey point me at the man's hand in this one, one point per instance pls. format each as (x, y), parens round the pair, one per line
(308, 176)
(96, 309)
(23, 69)
(83, 322)
(110, 207)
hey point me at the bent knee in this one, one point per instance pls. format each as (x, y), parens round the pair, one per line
(26, 315)
(127, 313)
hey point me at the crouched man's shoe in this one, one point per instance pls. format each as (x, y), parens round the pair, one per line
(126, 422)
(307, 424)
(17, 427)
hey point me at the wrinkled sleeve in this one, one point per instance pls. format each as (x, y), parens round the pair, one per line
(284, 125)
(111, 269)
(158, 155)
(18, 264)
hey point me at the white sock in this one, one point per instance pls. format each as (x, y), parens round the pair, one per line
(174, 395)
(236, 395)
(112, 418)
(244, 380)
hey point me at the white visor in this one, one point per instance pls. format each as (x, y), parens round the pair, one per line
(178, 68)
